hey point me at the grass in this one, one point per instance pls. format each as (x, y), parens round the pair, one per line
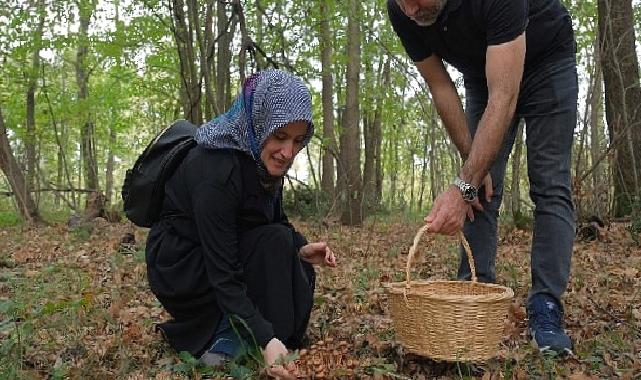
(9, 219)
(55, 294)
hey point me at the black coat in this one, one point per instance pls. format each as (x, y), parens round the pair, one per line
(193, 261)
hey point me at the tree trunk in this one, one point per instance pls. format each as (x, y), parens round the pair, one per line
(109, 172)
(32, 77)
(368, 165)
(310, 166)
(247, 43)
(223, 58)
(412, 175)
(79, 172)
(87, 145)
(434, 190)
(189, 79)
(580, 154)
(59, 174)
(622, 99)
(206, 48)
(259, 22)
(11, 169)
(393, 149)
(378, 137)
(588, 159)
(372, 169)
(371, 83)
(600, 188)
(423, 170)
(352, 206)
(515, 200)
(62, 138)
(329, 141)
(341, 170)
(260, 33)
(109, 169)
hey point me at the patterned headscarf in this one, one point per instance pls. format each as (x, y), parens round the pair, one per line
(269, 100)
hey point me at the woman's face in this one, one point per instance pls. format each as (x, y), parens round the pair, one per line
(282, 146)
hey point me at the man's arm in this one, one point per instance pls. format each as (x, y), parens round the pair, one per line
(504, 71)
(447, 102)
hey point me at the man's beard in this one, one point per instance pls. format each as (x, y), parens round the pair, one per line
(428, 16)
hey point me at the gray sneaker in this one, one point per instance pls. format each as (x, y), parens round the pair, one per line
(214, 359)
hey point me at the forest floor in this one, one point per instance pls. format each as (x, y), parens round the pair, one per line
(74, 303)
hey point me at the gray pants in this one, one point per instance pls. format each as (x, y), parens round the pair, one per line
(548, 104)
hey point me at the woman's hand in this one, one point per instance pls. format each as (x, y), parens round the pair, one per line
(274, 351)
(317, 254)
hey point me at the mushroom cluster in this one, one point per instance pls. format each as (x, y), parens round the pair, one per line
(326, 359)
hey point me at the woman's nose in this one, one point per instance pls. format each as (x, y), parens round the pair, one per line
(287, 150)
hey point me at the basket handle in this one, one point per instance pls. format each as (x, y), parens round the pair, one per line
(417, 238)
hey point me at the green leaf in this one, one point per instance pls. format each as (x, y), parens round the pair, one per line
(187, 358)
(240, 372)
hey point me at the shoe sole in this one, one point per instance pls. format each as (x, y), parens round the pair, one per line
(544, 349)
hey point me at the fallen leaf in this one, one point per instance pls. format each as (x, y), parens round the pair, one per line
(582, 376)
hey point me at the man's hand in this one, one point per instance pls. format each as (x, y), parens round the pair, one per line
(317, 254)
(448, 213)
(489, 191)
(489, 188)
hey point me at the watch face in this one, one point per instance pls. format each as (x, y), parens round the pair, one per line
(469, 192)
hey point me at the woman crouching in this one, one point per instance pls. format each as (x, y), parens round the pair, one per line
(224, 256)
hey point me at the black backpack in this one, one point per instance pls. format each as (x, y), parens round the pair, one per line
(144, 188)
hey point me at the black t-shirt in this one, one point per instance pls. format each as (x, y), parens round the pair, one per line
(465, 29)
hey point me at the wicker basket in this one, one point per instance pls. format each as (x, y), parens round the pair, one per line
(449, 320)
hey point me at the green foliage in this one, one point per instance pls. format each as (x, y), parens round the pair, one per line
(51, 215)
(82, 232)
(245, 366)
(383, 369)
(306, 202)
(522, 221)
(190, 366)
(10, 349)
(134, 84)
(363, 282)
(9, 219)
(135, 87)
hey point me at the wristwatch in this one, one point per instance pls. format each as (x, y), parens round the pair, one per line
(468, 191)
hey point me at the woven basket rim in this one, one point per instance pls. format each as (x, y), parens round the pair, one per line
(400, 288)
(440, 305)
